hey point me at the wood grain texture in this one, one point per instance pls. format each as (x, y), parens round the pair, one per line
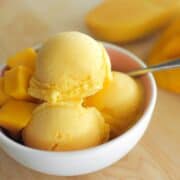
(155, 157)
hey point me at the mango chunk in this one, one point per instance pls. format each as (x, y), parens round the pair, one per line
(15, 115)
(26, 57)
(127, 20)
(16, 82)
(167, 47)
(3, 96)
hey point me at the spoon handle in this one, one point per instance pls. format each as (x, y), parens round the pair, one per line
(167, 65)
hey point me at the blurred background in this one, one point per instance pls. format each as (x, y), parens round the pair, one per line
(26, 22)
(148, 28)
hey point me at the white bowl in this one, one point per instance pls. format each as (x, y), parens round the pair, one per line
(92, 159)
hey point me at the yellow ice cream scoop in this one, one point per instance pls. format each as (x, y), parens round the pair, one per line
(70, 65)
(67, 126)
(120, 102)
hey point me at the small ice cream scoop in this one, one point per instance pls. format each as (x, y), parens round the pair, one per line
(159, 67)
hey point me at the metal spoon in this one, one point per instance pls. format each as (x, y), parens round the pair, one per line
(170, 64)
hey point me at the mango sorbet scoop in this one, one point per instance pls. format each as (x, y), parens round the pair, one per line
(67, 126)
(70, 66)
(119, 102)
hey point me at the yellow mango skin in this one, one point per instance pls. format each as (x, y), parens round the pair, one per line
(16, 82)
(3, 96)
(167, 47)
(26, 57)
(15, 115)
(125, 21)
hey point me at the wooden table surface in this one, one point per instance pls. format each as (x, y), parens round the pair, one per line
(24, 23)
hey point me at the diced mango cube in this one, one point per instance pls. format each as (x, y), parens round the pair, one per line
(25, 57)
(15, 115)
(3, 96)
(16, 82)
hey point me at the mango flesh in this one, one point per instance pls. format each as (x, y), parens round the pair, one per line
(16, 82)
(167, 47)
(15, 115)
(25, 57)
(124, 21)
(3, 96)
